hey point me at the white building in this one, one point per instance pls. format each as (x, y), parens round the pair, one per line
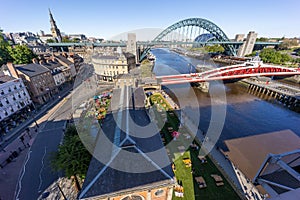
(14, 96)
(108, 67)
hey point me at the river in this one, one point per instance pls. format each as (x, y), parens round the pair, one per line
(246, 113)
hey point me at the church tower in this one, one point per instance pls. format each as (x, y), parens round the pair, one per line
(55, 31)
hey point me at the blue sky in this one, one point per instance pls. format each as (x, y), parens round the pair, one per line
(270, 18)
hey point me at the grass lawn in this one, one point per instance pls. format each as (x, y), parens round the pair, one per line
(183, 173)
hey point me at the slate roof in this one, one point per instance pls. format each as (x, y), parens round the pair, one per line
(6, 78)
(63, 59)
(52, 65)
(135, 166)
(32, 69)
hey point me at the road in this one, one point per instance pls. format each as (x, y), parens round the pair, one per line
(37, 174)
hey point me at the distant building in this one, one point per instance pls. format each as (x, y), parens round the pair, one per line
(131, 45)
(108, 67)
(14, 102)
(76, 60)
(37, 78)
(54, 30)
(239, 37)
(46, 37)
(248, 44)
(81, 37)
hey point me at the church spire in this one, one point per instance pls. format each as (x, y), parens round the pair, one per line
(54, 30)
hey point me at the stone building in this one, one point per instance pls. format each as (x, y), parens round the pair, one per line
(15, 102)
(37, 78)
(56, 70)
(68, 67)
(108, 67)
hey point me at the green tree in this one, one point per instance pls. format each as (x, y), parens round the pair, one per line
(262, 39)
(4, 52)
(66, 39)
(215, 49)
(76, 40)
(273, 56)
(72, 157)
(50, 41)
(21, 54)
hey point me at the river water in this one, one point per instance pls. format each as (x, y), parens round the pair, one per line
(246, 113)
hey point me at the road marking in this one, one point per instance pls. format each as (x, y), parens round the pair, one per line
(21, 177)
(40, 174)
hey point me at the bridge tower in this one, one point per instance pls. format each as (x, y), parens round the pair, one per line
(248, 45)
(54, 30)
(131, 45)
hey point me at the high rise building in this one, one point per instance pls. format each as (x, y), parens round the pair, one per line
(248, 45)
(54, 30)
(131, 44)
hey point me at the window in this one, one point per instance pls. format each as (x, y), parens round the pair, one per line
(159, 192)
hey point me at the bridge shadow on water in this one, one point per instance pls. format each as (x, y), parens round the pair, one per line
(246, 114)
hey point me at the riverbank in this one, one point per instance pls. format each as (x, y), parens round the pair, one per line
(188, 166)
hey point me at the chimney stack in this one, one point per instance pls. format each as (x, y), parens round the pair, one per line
(34, 60)
(12, 70)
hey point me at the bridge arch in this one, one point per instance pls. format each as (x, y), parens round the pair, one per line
(195, 22)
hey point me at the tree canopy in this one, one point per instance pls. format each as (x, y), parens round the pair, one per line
(18, 54)
(72, 157)
(21, 54)
(4, 52)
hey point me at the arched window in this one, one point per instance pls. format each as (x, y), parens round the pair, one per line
(133, 197)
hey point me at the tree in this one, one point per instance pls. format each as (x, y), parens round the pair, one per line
(273, 56)
(215, 48)
(66, 39)
(21, 54)
(72, 157)
(50, 41)
(4, 53)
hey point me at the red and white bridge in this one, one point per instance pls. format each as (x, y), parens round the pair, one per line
(246, 70)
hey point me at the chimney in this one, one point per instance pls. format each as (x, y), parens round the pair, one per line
(34, 60)
(12, 70)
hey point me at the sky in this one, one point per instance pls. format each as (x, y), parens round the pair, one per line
(107, 18)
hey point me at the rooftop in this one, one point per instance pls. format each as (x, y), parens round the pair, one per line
(63, 59)
(127, 162)
(249, 153)
(6, 78)
(32, 69)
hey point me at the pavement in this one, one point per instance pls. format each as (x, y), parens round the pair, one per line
(14, 153)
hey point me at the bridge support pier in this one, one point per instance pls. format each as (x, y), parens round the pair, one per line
(204, 86)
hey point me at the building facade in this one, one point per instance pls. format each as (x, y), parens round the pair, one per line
(56, 71)
(68, 67)
(248, 44)
(108, 67)
(38, 80)
(14, 102)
